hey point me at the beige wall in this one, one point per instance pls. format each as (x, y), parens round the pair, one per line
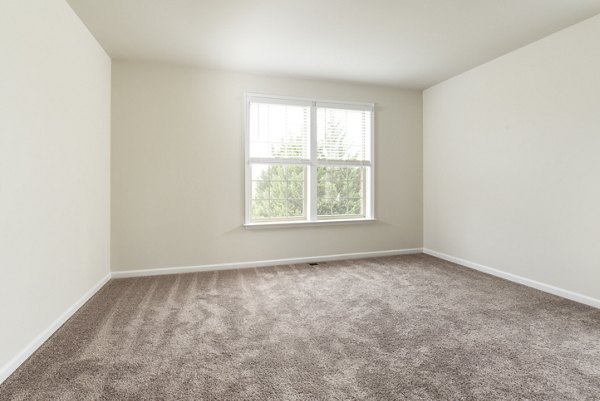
(512, 162)
(54, 167)
(178, 170)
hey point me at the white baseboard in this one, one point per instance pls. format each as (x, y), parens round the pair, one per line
(260, 263)
(13, 364)
(573, 296)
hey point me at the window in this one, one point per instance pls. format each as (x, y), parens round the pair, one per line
(308, 161)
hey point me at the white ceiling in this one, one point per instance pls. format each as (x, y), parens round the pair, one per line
(405, 43)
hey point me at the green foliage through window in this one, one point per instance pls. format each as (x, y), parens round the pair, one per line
(277, 191)
(339, 191)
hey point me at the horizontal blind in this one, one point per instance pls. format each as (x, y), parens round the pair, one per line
(343, 134)
(279, 130)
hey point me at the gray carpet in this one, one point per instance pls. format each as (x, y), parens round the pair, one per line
(399, 328)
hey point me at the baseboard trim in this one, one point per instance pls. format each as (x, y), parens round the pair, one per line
(14, 363)
(260, 263)
(573, 296)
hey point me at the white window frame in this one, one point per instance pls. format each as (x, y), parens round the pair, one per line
(311, 164)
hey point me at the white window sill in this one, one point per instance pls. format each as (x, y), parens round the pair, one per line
(290, 224)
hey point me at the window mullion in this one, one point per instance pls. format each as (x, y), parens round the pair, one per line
(266, 160)
(312, 169)
(344, 163)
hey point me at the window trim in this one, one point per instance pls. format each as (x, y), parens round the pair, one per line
(311, 218)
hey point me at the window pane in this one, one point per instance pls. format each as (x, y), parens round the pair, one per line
(343, 134)
(278, 191)
(340, 191)
(278, 130)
